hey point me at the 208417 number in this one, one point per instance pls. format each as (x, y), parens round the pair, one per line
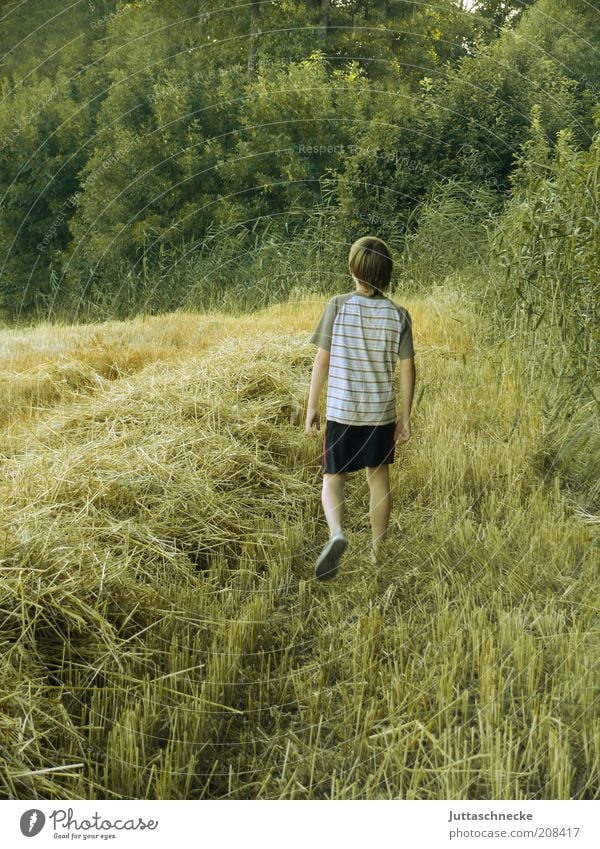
(557, 832)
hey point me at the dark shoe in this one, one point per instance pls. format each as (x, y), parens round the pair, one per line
(327, 563)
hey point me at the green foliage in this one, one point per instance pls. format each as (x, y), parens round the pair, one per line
(43, 131)
(451, 232)
(296, 123)
(547, 244)
(234, 268)
(406, 119)
(469, 123)
(389, 168)
(47, 36)
(568, 32)
(170, 146)
(151, 179)
(502, 12)
(405, 39)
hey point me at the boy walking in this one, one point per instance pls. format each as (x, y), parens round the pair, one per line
(360, 336)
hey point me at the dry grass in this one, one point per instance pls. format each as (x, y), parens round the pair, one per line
(162, 633)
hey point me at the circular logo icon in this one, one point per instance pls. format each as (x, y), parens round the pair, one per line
(32, 822)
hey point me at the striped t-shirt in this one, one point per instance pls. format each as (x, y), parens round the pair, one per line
(364, 335)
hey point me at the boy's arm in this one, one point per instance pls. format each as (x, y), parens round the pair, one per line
(322, 338)
(407, 389)
(317, 381)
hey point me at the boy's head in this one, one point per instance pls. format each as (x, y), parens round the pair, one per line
(371, 263)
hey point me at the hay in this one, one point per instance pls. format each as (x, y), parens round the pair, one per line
(162, 634)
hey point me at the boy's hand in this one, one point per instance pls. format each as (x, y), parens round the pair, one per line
(313, 421)
(402, 432)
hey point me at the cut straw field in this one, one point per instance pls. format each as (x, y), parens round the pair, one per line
(163, 636)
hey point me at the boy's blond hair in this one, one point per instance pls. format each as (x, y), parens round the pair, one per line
(371, 262)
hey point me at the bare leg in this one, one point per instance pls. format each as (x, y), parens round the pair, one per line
(333, 501)
(380, 507)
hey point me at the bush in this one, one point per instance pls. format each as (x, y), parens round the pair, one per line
(546, 245)
(451, 232)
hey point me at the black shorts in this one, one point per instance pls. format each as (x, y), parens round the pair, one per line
(347, 448)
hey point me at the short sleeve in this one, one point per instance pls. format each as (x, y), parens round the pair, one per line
(324, 329)
(406, 349)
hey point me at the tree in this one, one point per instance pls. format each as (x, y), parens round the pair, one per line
(501, 12)
(43, 130)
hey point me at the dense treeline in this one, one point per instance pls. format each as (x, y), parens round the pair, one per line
(158, 154)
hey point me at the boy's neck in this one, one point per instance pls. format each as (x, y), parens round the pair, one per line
(373, 294)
